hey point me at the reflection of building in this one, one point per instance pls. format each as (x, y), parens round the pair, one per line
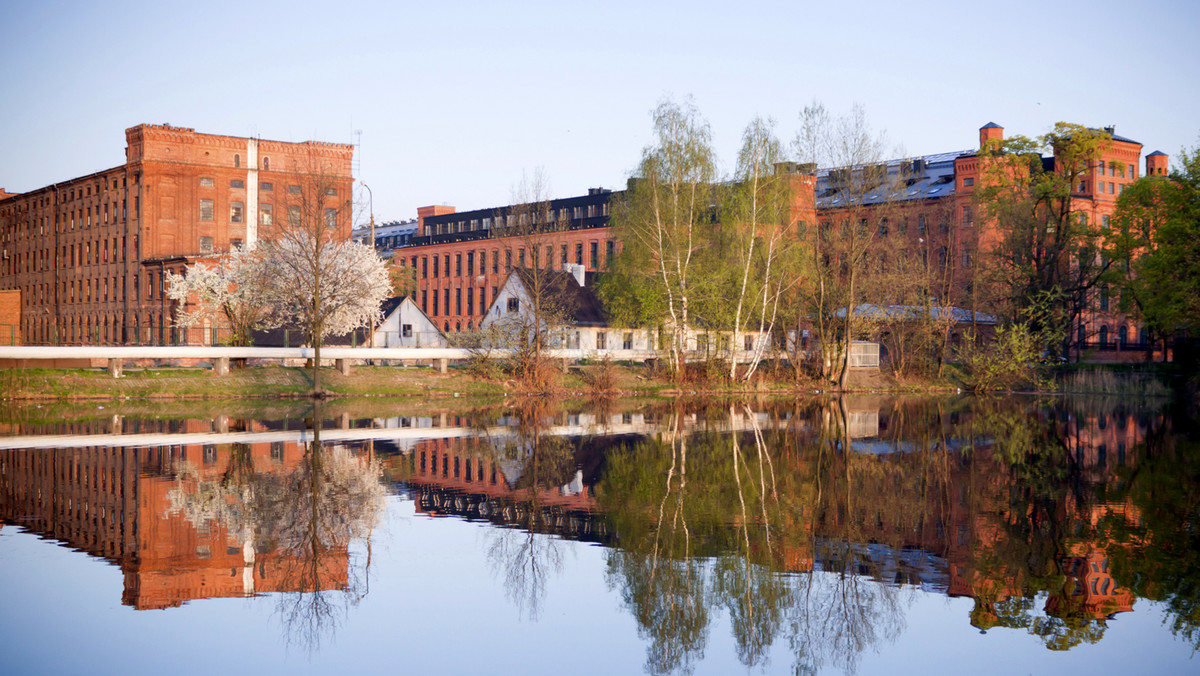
(114, 503)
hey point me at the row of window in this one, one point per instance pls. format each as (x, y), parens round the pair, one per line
(264, 186)
(538, 257)
(546, 218)
(266, 213)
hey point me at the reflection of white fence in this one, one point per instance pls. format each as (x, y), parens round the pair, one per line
(864, 354)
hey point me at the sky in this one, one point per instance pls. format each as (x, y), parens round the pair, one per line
(453, 102)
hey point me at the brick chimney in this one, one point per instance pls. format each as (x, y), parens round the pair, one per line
(1156, 163)
(990, 132)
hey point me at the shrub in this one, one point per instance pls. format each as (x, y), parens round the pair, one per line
(1004, 363)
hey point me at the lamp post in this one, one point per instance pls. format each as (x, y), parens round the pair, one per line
(371, 194)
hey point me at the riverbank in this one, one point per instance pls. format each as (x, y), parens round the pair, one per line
(483, 386)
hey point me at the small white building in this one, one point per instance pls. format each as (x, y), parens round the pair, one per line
(406, 325)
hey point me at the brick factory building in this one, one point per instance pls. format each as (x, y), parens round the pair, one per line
(89, 255)
(458, 260)
(459, 264)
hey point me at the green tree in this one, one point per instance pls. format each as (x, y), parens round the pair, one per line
(1158, 230)
(664, 222)
(1050, 258)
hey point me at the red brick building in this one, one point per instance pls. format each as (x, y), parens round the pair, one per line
(459, 262)
(89, 254)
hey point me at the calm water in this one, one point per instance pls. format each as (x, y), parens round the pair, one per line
(866, 535)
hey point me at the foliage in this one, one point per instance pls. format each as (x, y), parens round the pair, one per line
(1158, 221)
(1051, 258)
(665, 223)
(1006, 362)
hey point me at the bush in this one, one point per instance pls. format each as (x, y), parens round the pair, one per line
(601, 378)
(1004, 363)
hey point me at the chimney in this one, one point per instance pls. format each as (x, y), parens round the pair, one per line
(990, 132)
(577, 271)
(1156, 163)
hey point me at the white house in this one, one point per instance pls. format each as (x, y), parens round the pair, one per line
(406, 325)
(587, 326)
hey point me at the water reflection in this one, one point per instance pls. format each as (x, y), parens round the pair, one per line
(807, 528)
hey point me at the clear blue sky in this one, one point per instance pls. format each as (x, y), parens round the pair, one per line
(455, 100)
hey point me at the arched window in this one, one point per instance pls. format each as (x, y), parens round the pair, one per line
(237, 160)
(266, 164)
(1103, 337)
(1123, 335)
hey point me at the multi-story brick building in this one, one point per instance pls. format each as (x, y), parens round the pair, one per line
(920, 208)
(459, 261)
(89, 255)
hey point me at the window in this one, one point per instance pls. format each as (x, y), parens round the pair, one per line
(237, 160)
(1104, 300)
(265, 214)
(922, 224)
(1132, 171)
(609, 250)
(206, 244)
(236, 210)
(594, 251)
(967, 217)
(237, 183)
(1100, 168)
(436, 262)
(331, 218)
(446, 301)
(601, 340)
(294, 216)
(1083, 186)
(968, 182)
(266, 187)
(1104, 221)
(266, 164)
(966, 258)
(514, 304)
(564, 256)
(235, 243)
(627, 341)
(206, 183)
(458, 301)
(521, 257)
(206, 210)
(579, 253)
(507, 260)
(470, 263)
(294, 189)
(331, 192)
(883, 227)
(406, 330)
(458, 265)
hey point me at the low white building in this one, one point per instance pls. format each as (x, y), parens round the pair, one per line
(587, 325)
(406, 325)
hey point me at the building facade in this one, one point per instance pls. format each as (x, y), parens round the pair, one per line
(90, 255)
(459, 260)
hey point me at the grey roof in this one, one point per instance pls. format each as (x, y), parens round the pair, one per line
(913, 312)
(934, 178)
(1156, 153)
(991, 125)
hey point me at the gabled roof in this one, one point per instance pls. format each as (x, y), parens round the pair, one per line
(580, 303)
(389, 305)
(1156, 153)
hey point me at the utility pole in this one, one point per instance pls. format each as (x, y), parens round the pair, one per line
(371, 194)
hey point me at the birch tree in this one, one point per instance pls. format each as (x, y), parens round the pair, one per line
(667, 211)
(758, 217)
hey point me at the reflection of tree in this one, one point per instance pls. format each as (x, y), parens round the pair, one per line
(524, 556)
(306, 516)
(1158, 556)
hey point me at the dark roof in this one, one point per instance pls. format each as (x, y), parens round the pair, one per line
(389, 305)
(1155, 153)
(991, 125)
(580, 303)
